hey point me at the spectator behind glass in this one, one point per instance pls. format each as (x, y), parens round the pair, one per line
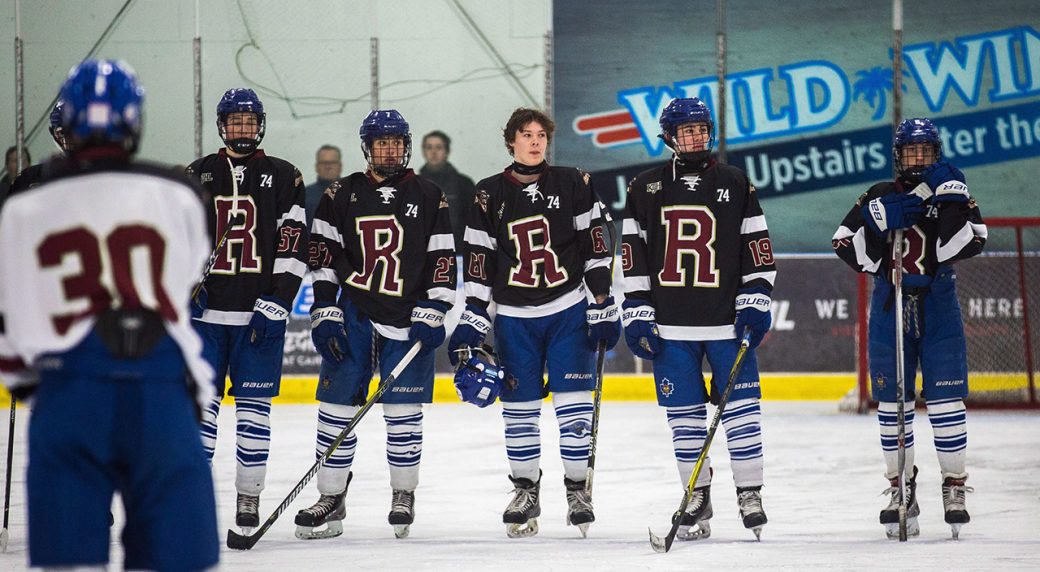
(436, 146)
(11, 169)
(329, 167)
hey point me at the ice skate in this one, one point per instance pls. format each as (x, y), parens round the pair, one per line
(329, 511)
(890, 514)
(579, 506)
(953, 491)
(247, 516)
(749, 499)
(694, 521)
(402, 512)
(521, 515)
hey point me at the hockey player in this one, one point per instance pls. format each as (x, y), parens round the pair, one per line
(384, 235)
(930, 199)
(258, 204)
(95, 328)
(535, 245)
(35, 174)
(696, 243)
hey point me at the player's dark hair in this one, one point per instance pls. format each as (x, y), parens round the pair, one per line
(522, 116)
(442, 136)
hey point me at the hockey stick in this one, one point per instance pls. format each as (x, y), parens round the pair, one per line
(897, 285)
(601, 354)
(665, 544)
(237, 541)
(7, 487)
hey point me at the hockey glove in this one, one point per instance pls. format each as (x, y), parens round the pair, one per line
(892, 211)
(753, 313)
(604, 323)
(268, 321)
(479, 382)
(473, 327)
(641, 329)
(330, 339)
(947, 182)
(427, 327)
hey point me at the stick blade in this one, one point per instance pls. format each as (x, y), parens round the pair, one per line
(236, 541)
(3, 540)
(660, 545)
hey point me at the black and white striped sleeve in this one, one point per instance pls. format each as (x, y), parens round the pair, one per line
(290, 263)
(962, 232)
(590, 226)
(634, 262)
(480, 251)
(325, 249)
(854, 243)
(440, 255)
(757, 267)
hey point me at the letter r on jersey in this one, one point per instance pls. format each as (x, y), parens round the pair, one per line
(689, 230)
(382, 239)
(248, 258)
(533, 249)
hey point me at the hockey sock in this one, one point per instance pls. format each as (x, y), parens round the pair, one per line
(523, 439)
(949, 424)
(887, 419)
(403, 443)
(209, 427)
(332, 419)
(574, 415)
(253, 443)
(742, 421)
(688, 435)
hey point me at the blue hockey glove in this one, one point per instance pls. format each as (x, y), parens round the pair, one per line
(892, 211)
(427, 326)
(473, 327)
(753, 313)
(604, 322)
(479, 381)
(641, 329)
(268, 321)
(330, 339)
(947, 182)
(198, 303)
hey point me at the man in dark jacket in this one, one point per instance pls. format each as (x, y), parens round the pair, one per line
(436, 146)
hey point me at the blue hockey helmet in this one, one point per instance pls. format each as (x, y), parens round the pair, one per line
(102, 105)
(478, 380)
(57, 131)
(681, 111)
(385, 123)
(909, 132)
(241, 100)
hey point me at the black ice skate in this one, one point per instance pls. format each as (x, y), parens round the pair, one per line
(694, 521)
(521, 516)
(247, 516)
(329, 511)
(402, 512)
(953, 502)
(890, 514)
(579, 506)
(749, 499)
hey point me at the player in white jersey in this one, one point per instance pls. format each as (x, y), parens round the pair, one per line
(96, 266)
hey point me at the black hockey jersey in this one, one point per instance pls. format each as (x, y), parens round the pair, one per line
(389, 244)
(946, 233)
(265, 255)
(690, 242)
(530, 246)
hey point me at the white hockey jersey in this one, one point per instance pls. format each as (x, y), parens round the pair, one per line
(129, 236)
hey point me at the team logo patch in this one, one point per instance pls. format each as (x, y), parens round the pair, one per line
(585, 176)
(481, 198)
(751, 188)
(387, 193)
(667, 387)
(691, 182)
(326, 382)
(240, 173)
(299, 178)
(533, 193)
(880, 381)
(444, 202)
(653, 187)
(206, 177)
(330, 191)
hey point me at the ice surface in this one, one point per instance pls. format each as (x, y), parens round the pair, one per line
(823, 479)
